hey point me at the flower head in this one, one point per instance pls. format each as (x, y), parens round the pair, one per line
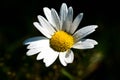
(60, 36)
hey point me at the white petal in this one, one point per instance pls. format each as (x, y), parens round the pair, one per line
(68, 21)
(50, 56)
(66, 57)
(69, 57)
(84, 32)
(48, 15)
(47, 54)
(41, 55)
(62, 58)
(34, 39)
(90, 41)
(76, 23)
(63, 13)
(55, 18)
(33, 51)
(43, 49)
(38, 44)
(42, 30)
(85, 44)
(46, 25)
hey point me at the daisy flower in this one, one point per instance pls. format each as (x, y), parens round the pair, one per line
(60, 36)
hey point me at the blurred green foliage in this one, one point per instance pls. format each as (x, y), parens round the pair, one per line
(100, 63)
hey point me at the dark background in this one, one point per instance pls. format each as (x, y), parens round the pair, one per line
(16, 25)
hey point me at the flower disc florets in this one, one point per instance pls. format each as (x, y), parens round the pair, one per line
(61, 41)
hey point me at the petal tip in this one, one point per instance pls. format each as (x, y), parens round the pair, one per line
(36, 24)
(64, 64)
(39, 16)
(45, 8)
(28, 54)
(47, 65)
(64, 4)
(81, 14)
(38, 58)
(96, 26)
(96, 43)
(25, 42)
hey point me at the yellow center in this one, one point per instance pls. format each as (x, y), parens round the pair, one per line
(61, 41)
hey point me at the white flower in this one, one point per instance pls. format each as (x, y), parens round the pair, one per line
(60, 36)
